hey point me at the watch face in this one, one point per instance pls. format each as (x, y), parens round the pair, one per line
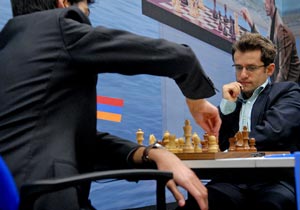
(157, 145)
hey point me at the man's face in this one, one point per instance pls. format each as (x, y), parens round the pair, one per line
(269, 7)
(256, 74)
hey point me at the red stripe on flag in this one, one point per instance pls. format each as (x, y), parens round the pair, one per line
(110, 101)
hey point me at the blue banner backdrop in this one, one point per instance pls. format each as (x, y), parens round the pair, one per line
(155, 104)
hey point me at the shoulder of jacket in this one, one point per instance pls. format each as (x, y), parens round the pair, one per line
(281, 87)
(74, 13)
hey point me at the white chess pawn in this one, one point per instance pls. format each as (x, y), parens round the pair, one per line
(172, 144)
(196, 141)
(152, 139)
(212, 144)
(166, 140)
(140, 136)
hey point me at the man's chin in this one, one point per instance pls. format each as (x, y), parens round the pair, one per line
(247, 92)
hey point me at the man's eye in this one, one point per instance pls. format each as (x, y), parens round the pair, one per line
(251, 68)
(239, 68)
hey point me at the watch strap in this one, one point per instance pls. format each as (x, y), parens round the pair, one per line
(145, 156)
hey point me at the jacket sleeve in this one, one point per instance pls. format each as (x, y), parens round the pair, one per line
(104, 50)
(115, 152)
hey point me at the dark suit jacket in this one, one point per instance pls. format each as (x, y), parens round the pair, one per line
(49, 63)
(275, 119)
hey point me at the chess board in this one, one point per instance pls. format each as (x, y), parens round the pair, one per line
(207, 18)
(191, 147)
(223, 155)
(206, 26)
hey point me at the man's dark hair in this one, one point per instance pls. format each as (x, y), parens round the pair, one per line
(255, 41)
(22, 7)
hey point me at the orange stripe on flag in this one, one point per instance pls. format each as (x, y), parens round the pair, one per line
(109, 116)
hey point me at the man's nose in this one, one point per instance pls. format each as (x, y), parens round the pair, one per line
(244, 72)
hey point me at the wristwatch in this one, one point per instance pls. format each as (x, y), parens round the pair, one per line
(145, 156)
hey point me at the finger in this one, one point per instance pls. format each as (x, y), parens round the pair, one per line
(204, 125)
(217, 125)
(210, 124)
(213, 123)
(231, 91)
(236, 90)
(176, 193)
(199, 192)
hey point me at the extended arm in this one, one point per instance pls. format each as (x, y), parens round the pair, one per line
(104, 50)
(121, 153)
(247, 17)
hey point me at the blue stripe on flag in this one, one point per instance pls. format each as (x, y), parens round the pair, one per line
(108, 108)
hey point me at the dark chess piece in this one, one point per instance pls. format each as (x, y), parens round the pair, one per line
(214, 12)
(231, 29)
(185, 2)
(225, 15)
(220, 26)
(225, 32)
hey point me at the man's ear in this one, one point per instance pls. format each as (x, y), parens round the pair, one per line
(270, 69)
(62, 3)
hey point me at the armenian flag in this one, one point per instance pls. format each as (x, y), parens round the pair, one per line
(109, 108)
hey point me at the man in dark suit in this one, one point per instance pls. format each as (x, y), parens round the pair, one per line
(287, 60)
(49, 62)
(271, 113)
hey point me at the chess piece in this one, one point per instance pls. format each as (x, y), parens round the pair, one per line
(193, 8)
(177, 6)
(165, 140)
(201, 5)
(231, 29)
(214, 12)
(239, 145)
(177, 145)
(219, 15)
(245, 134)
(225, 32)
(204, 143)
(173, 3)
(172, 144)
(196, 141)
(220, 26)
(232, 144)
(152, 139)
(187, 128)
(212, 144)
(185, 2)
(252, 145)
(225, 18)
(236, 26)
(140, 136)
(180, 144)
